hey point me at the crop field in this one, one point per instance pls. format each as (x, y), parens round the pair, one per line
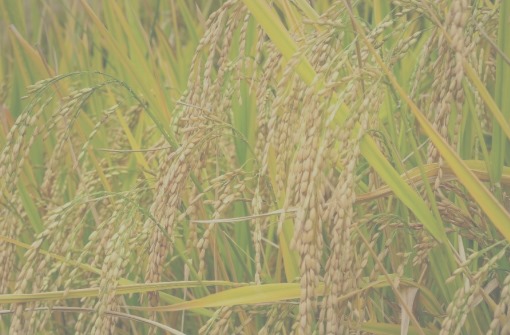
(255, 167)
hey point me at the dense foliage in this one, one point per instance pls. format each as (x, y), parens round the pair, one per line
(254, 167)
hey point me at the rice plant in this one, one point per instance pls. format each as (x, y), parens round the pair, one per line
(255, 167)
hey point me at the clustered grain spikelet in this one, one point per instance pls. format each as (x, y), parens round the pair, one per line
(449, 70)
(501, 321)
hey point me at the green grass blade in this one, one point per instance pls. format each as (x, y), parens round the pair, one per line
(501, 127)
(401, 189)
